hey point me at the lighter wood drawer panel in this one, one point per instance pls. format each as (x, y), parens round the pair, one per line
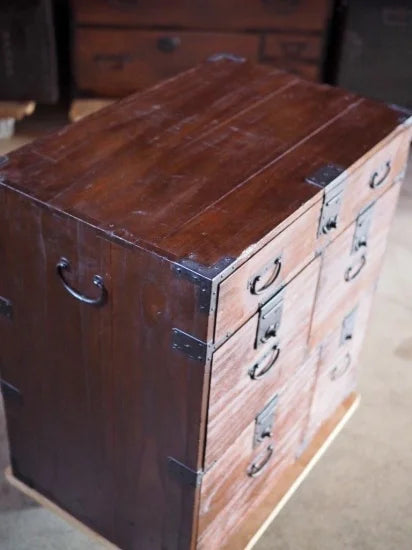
(238, 388)
(263, 274)
(346, 273)
(337, 372)
(373, 178)
(228, 493)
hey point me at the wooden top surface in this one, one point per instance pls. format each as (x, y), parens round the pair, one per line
(204, 165)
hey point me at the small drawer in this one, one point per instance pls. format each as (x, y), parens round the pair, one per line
(351, 263)
(337, 371)
(112, 62)
(246, 472)
(250, 286)
(373, 178)
(245, 375)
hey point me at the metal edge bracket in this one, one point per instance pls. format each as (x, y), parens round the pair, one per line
(329, 178)
(189, 345)
(404, 114)
(6, 308)
(4, 159)
(185, 475)
(205, 279)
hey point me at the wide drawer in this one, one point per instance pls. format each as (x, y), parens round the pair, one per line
(337, 372)
(351, 263)
(245, 374)
(245, 474)
(113, 62)
(244, 14)
(250, 286)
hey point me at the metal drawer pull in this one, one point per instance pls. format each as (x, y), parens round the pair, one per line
(168, 44)
(337, 372)
(256, 469)
(275, 267)
(353, 271)
(64, 265)
(377, 181)
(257, 371)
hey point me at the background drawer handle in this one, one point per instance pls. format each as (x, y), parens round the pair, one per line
(354, 270)
(64, 265)
(168, 44)
(256, 287)
(257, 468)
(377, 181)
(262, 367)
(338, 370)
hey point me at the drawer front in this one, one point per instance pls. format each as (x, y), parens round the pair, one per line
(245, 376)
(373, 178)
(347, 269)
(245, 14)
(337, 372)
(246, 473)
(250, 286)
(115, 63)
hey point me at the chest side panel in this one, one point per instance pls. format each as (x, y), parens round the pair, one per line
(96, 398)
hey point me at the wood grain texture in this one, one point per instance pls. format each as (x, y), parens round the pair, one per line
(334, 292)
(306, 15)
(234, 397)
(337, 373)
(228, 493)
(236, 302)
(101, 407)
(247, 153)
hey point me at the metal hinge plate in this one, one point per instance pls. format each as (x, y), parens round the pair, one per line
(189, 345)
(185, 475)
(264, 422)
(6, 308)
(269, 320)
(333, 195)
(348, 326)
(363, 222)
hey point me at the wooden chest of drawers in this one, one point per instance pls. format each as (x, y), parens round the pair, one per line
(186, 280)
(122, 46)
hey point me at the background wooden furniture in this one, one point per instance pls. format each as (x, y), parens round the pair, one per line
(169, 318)
(121, 47)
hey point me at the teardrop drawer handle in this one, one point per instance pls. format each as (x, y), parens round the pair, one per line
(354, 270)
(377, 181)
(256, 287)
(64, 265)
(257, 468)
(265, 365)
(338, 370)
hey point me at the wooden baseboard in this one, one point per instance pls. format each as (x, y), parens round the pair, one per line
(16, 109)
(83, 107)
(249, 532)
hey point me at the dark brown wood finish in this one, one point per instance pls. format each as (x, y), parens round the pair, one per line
(171, 196)
(307, 15)
(100, 408)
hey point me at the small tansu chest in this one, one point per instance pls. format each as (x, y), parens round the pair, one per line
(185, 283)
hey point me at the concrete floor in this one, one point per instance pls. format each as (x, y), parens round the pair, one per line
(359, 496)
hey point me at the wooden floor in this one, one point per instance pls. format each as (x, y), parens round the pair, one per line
(249, 533)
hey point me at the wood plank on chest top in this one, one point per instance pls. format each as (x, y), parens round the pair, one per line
(103, 149)
(160, 193)
(248, 217)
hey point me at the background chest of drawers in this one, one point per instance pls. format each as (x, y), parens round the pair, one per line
(187, 280)
(123, 46)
